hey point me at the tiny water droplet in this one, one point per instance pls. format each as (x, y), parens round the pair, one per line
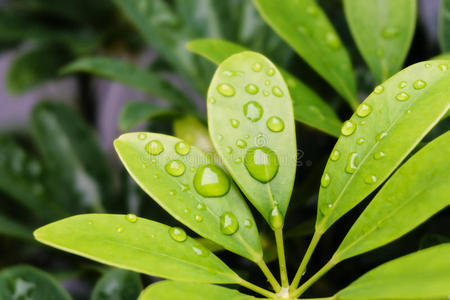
(184, 187)
(362, 123)
(201, 206)
(172, 193)
(379, 52)
(275, 124)
(229, 150)
(351, 163)
(389, 32)
(330, 205)
(253, 111)
(156, 176)
(142, 136)
(212, 100)
(276, 218)
(270, 72)
(443, 67)
(211, 181)
(248, 223)
(182, 148)
(153, 161)
(153, 235)
(200, 251)
(247, 136)
(238, 160)
(131, 218)
(228, 223)
(90, 222)
(261, 163)
(267, 82)
(378, 89)
(154, 147)
(177, 234)
(266, 93)
(379, 155)
(187, 211)
(145, 165)
(408, 111)
(220, 137)
(419, 84)
(381, 136)
(276, 91)
(402, 96)
(402, 84)
(252, 89)
(241, 143)
(370, 179)
(226, 90)
(332, 40)
(312, 10)
(304, 30)
(175, 168)
(234, 123)
(119, 229)
(363, 110)
(427, 66)
(325, 181)
(257, 67)
(360, 141)
(198, 218)
(335, 155)
(348, 128)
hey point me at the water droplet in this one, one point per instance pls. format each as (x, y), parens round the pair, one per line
(402, 84)
(152, 235)
(252, 89)
(378, 89)
(211, 181)
(370, 179)
(234, 123)
(379, 155)
(276, 218)
(275, 124)
(228, 223)
(270, 72)
(332, 40)
(427, 66)
(276, 91)
(175, 167)
(212, 100)
(325, 181)
(226, 90)
(312, 10)
(238, 160)
(381, 136)
(153, 160)
(248, 223)
(198, 218)
(131, 218)
(360, 141)
(182, 148)
(363, 110)
(201, 206)
(247, 136)
(253, 111)
(241, 143)
(379, 52)
(419, 84)
(335, 155)
(154, 147)
(257, 67)
(142, 136)
(389, 32)
(362, 123)
(229, 150)
(351, 163)
(261, 163)
(177, 234)
(267, 82)
(172, 193)
(408, 111)
(348, 128)
(200, 251)
(90, 222)
(119, 229)
(156, 176)
(184, 187)
(187, 211)
(266, 93)
(402, 96)
(304, 30)
(443, 67)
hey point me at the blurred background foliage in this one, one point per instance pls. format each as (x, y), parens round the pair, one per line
(61, 163)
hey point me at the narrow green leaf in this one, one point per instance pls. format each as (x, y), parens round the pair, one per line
(135, 244)
(194, 132)
(26, 282)
(169, 290)
(383, 31)
(188, 185)
(304, 26)
(117, 284)
(252, 127)
(418, 190)
(136, 112)
(386, 127)
(421, 275)
(309, 108)
(131, 75)
(444, 26)
(13, 228)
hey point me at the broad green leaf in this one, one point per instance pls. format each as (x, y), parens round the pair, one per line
(444, 25)
(169, 290)
(136, 112)
(136, 244)
(194, 132)
(309, 108)
(251, 123)
(386, 127)
(72, 153)
(383, 31)
(26, 282)
(188, 185)
(117, 284)
(13, 228)
(131, 75)
(304, 26)
(416, 191)
(421, 275)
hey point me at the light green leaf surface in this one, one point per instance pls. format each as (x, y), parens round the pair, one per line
(304, 26)
(309, 108)
(135, 112)
(383, 31)
(142, 246)
(444, 25)
(251, 123)
(169, 290)
(26, 282)
(179, 195)
(117, 284)
(422, 275)
(194, 132)
(386, 127)
(418, 190)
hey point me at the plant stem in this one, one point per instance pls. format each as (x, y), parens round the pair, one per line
(256, 288)
(272, 280)
(328, 266)
(281, 257)
(301, 269)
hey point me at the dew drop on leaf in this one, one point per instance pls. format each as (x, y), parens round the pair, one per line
(419, 84)
(304, 30)
(241, 143)
(335, 155)
(187, 210)
(253, 111)
(351, 163)
(275, 124)
(363, 110)
(266, 93)
(119, 229)
(276, 91)
(182, 148)
(261, 163)
(381, 136)
(248, 223)
(234, 123)
(389, 32)
(312, 10)
(200, 251)
(228, 223)
(142, 136)
(378, 89)
(332, 40)
(370, 179)
(177, 234)
(201, 206)
(443, 67)
(212, 100)
(238, 160)
(267, 82)
(270, 72)
(175, 168)
(427, 66)
(348, 128)
(198, 218)
(252, 89)
(131, 218)
(276, 218)
(154, 147)
(211, 181)
(402, 96)
(360, 141)
(226, 90)
(325, 181)
(379, 155)
(229, 150)
(256, 67)
(402, 84)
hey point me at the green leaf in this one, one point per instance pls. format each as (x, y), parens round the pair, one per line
(194, 132)
(252, 127)
(187, 184)
(383, 31)
(386, 127)
(26, 282)
(309, 108)
(421, 275)
(304, 26)
(136, 112)
(169, 290)
(139, 245)
(444, 26)
(133, 76)
(117, 284)
(10, 227)
(416, 191)
(73, 155)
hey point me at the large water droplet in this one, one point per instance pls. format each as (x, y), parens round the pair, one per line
(378, 89)
(276, 91)
(175, 168)
(211, 181)
(276, 218)
(443, 67)
(228, 223)
(142, 136)
(154, 147)
(419, 84)
(402, 85)
(275, 124)
(241, 143)
(332, 40)
(257, 67)
(226, 89)
(234, 123)
(389, 32)
(351, 163)
(335, 155)
(251, 88)
(371, 179)
(348, 128)
(363, 110)
(261, 163)
(253, 111)
(177, 234)
(402, 96)
(325, 181)
(379, 155)
(182, 148)
(131, 218)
